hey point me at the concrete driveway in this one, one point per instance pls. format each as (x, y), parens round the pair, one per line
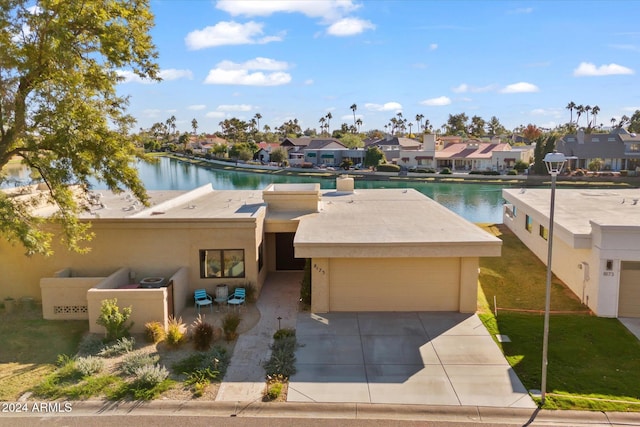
(430, 358)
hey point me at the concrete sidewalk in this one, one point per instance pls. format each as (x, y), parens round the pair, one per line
(245, 377)
(423, 358)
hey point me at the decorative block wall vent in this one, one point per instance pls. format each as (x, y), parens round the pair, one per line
(69, 309)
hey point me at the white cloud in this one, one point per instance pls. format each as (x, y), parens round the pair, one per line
(197, 107)
(173, 74)
(228, 33)
(326, 9)
(349, 27)
(433, 46)
(462, 88)
(589, 69)
(521, 87)
(215, 115)
(166, 75)
(389, 106)
(151, 112)
(233, 73)
(436, 102)
(520, 11)
(234, 107)
(308, 82)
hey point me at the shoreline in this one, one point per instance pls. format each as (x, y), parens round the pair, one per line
(359, 175)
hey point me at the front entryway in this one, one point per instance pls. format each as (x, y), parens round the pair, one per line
(629, 295)
(285, 254)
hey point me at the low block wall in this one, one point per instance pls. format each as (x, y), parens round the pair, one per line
(65, 298)
(148, 305)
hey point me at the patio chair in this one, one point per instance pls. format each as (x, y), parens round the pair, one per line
(236, 299)
(202, 298)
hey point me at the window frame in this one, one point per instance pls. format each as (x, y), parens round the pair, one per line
(205, 264)
(544, 232)
(528, 223)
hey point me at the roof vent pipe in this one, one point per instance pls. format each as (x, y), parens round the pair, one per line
(345, 184)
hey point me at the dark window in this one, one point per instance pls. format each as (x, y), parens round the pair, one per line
(528, 223)
(544, 233)
(260, 258)
(221, 263)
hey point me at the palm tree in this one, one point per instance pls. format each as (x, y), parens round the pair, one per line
(570, 106)
(613, 122)
(579, 112)
(410, 124)
(194, 126)
(586, 110)
(322, 121)
(258, 116)
(329, 116)
(594, 113)
(419, 118)
(354, 107)
(359, 123)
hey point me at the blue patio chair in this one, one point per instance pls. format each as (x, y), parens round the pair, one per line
(236, 299)
(202, 298)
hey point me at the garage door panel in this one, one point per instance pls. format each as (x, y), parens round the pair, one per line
(394, 284)
(629, 300)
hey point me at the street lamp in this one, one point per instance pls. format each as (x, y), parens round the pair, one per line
(554, 163)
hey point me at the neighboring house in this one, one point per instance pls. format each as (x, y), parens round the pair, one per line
(296, 144)
(618, 150)
(369, 250)
(392, 145)
(472, 154)
(264, 153)
(596, 242)
(324, 152)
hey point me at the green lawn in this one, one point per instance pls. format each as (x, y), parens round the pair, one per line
(593, 361)
(30, 346)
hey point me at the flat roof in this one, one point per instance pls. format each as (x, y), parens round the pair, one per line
(575, 209)
(383, 220)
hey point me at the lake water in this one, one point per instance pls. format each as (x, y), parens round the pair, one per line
(475, 202)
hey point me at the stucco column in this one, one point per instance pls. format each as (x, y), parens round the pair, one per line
(469, 284)
(320, 285)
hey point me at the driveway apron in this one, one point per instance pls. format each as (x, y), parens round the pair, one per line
(245, 377)
(431, 358)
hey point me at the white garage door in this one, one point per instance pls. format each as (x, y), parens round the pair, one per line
(629, 301)
(394, 284)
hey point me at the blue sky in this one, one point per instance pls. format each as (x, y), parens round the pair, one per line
(522, 62)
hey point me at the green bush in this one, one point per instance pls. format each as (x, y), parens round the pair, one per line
(121, 346)
(230, 324)
(624, 173)
(512, 172)
(491, 173)
(154, 332)
(114, 321)
(475, 172)
(521, 166)
(284, 333)
(445, 171)
(283, 358)
(388, 167)
(175, 333)
(138, 360)
(202, 334)
(89, 365)
(274, 389)
(91, 345)
(150, 375)
(305, 286)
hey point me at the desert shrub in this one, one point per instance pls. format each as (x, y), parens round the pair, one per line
(475, 172)
(282, 361)
(114, 320)
(521, 166)
(154, 332)
(200, 379)
(305, 286)
(624, 172)
(90, 345)
(512, 172)
(388, 167)
(89, 365)
(284, 333)
(150, 375)
(175, 333)
(445, 171)
(274, 387)
(230, 324)
(428, 170)
(121, 346)
(134, 361)
(490, 173)
(202, 334)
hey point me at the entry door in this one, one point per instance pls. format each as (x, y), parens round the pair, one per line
(285, 258)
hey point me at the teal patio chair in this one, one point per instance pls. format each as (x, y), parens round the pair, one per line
(236, 299)
(202, 298)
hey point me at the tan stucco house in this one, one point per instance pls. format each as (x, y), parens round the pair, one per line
(369, 250)
(596, 242)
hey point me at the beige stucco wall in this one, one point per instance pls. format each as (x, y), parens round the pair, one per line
(394, 284)
(578, 268)
(292, 197)
(146, 247)
(148, 305)
(66, 297)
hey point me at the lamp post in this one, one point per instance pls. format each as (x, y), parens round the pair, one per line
(554, 163)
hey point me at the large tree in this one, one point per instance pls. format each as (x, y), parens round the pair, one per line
(457, 124)
(59, 110)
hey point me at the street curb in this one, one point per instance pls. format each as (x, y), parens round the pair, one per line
(364, 411)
